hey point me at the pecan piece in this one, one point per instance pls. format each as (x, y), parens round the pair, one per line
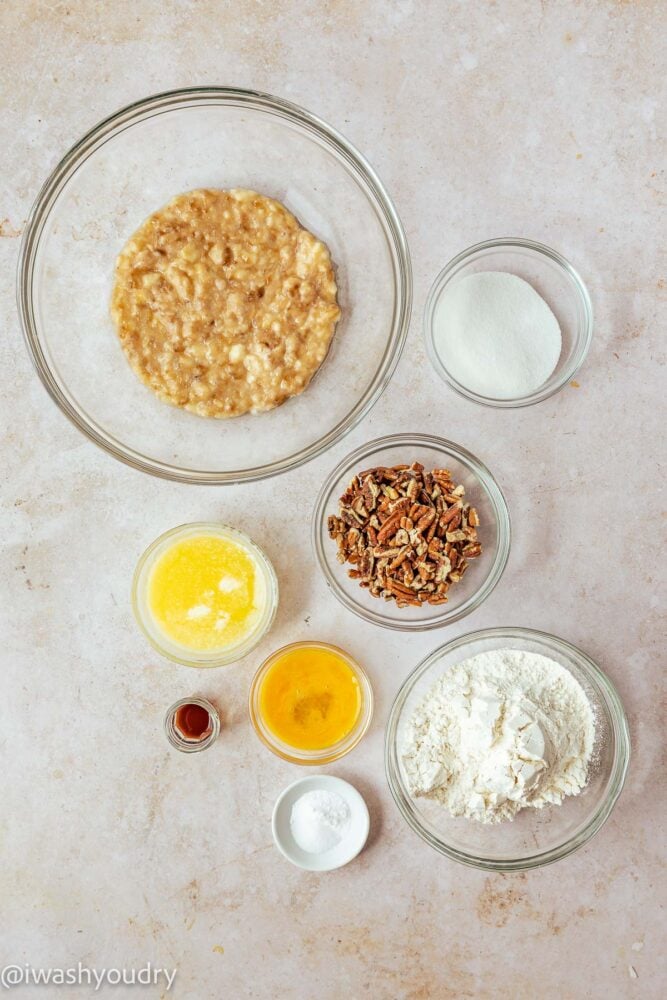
(406, 534)
(452, 517)
(425, 520)
(390, 527)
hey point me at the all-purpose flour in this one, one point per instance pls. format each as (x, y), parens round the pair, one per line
(498, 732)
(496, 335)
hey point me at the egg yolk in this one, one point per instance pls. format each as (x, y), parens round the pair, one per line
(205, 592)
(310, 698)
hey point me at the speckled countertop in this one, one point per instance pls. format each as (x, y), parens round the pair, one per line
(483, 119)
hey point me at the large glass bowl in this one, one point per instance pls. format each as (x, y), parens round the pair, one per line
(482, 492)
(535, 837)
(134, 162)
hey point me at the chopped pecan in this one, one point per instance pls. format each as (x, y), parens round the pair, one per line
(389, 528)
(452, 516)
(426, 520)
(456, 536)
(406, 533)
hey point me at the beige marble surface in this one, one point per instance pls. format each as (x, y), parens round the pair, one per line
(483, 119)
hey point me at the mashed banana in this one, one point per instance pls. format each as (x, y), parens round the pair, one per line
(224, 304)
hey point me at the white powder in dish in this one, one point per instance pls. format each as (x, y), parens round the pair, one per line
(496, 335)
(498, 732)
(319, 821)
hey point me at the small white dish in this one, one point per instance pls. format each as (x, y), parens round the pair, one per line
(351, 844)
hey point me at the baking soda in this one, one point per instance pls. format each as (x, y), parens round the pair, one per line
(319, 821)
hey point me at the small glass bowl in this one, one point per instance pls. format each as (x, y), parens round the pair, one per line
(482, 492)
(208, 657)
(536, 837)
(176, 738)
(557, 282)
(328, 754)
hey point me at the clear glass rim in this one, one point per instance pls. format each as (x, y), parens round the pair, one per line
(319, 536)
(265, 103)
(310, 757)
(619, 768)
(205, 659)
(584, 339)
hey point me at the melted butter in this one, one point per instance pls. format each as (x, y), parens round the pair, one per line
(205, 592)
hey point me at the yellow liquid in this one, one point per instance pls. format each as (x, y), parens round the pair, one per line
(310, 698)
(206, 592)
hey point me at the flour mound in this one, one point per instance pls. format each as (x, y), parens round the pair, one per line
(500, 732)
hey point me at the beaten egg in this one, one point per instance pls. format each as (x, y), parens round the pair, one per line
(310, 697)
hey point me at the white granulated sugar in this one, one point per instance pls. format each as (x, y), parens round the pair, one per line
(319, 821)
(498, 732)
(496, 335)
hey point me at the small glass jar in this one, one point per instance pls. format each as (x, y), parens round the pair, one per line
(192, 745)
(206, 657)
